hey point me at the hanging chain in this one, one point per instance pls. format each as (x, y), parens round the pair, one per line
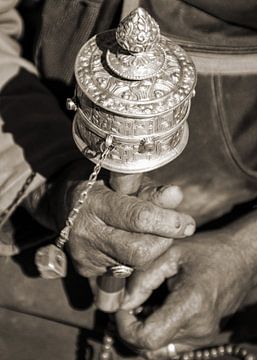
(6, 213)
(65, 232)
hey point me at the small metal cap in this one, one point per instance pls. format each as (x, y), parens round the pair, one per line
(71, 105)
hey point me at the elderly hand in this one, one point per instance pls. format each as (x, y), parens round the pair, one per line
(214, 272)
(112, 228)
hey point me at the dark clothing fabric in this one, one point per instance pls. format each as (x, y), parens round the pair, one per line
(37, 109)
(220, 159)
(208, 25)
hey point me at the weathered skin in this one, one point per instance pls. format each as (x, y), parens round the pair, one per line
(216, 272)
(111, 227)
(114, 228)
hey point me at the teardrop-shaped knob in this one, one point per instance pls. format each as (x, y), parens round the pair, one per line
(138, 32)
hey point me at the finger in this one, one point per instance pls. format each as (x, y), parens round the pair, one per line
(132, 214)
(162, 326)
(137, 250)
(89, 270)
(143, 283)
(101, 246)
(140, 334)
(167, 196)
(86, 259)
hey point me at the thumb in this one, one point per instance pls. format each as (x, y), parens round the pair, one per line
(166, 196)
(143, 283)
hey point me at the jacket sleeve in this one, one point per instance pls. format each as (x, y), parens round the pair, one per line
(35, 135)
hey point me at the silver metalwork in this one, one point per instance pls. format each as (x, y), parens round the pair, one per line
(51, 260)
(121, 271)
(71, 105)
(136, 85)
(138, 32)
(142, 56)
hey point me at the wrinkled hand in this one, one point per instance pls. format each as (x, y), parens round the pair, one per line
(113, 228)
(212, 280)
(110, 228)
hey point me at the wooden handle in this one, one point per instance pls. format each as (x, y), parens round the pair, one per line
(110, 290)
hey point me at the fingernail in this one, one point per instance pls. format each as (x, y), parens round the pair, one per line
(189, 230)
(171, 194)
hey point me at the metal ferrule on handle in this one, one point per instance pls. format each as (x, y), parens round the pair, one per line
(109, 293)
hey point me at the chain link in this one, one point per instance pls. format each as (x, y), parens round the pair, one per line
(65, 232)
(7, 212)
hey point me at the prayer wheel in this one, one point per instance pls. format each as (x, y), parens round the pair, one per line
(134, 88)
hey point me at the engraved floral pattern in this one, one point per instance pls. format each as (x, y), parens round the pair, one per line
(143, 98)
(138, 66)
(138, 32)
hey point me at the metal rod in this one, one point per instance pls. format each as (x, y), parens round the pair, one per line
(110, 290)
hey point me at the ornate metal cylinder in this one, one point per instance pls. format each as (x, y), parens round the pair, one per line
(136, 85)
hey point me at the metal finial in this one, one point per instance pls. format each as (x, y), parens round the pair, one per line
(137, 54)
(138, 32)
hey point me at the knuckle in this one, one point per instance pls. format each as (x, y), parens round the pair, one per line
(89, 271)
(137, 336)
(77, 254)
(205, 329)
(98, 192)
(149, 342)
(128, 333)
(140, 255)
(140, 216)
(202, 315)
(108, 234)
(197, 302)
(84, 271)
